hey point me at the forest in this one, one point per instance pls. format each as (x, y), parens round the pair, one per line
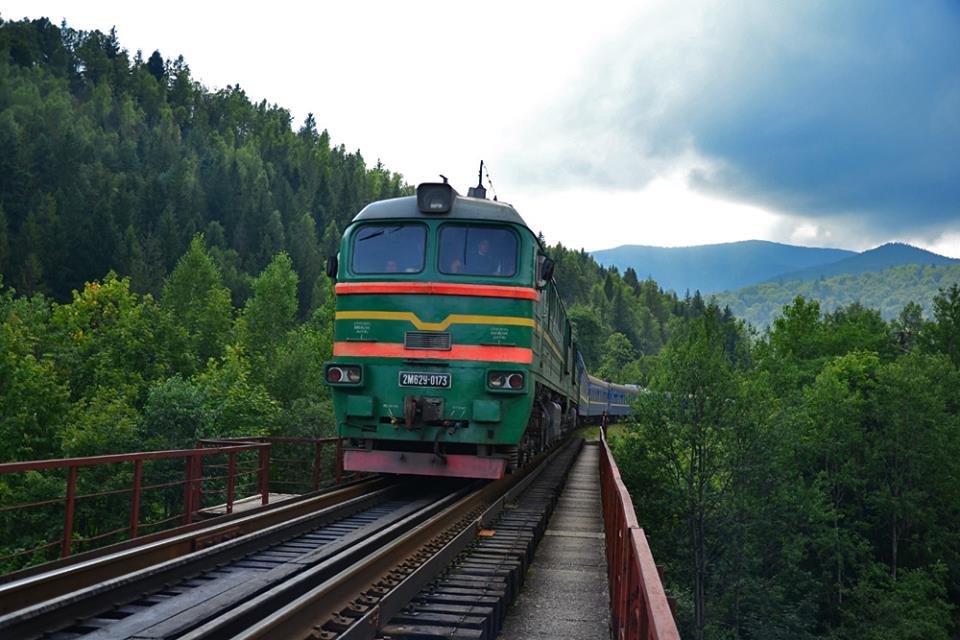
(806, 482)
(161, 250)
(886, 290)
(112, 162)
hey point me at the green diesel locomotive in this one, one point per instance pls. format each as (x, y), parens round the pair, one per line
(452, 352)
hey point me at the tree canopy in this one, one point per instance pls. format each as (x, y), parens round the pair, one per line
(109, 162)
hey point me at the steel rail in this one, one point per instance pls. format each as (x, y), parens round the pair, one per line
(405, 557)
(292, 506)
(66, 586)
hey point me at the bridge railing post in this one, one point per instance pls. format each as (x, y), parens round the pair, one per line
(70, 501)
(264, 457)
(135, 498)
(231, 480)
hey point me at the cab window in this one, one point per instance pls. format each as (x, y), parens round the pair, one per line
(388, 248)
(478, 251)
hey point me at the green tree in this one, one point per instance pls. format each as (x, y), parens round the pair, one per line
(33, 399)
(307, 260)
(234, 404)
(156, 66)
(685, 422)
(198, 301)
(105, 422)
(588, 333)
(911, 608)
(909, 326)
(109, 337)
(944, 334)
(272, 310)
(618, 353)
(176, 414)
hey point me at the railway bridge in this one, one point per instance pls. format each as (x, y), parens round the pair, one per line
(267, 538)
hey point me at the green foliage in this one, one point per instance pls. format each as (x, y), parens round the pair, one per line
(110, 337)
(618, 353)
(886, 290)
(913, 607)
(175, 414)
(33, 398)
(944, 334)
(236, 405)
(272, 310)
(116, 163)
(808, 488)
(103, 423)
(195, 297)
(603, 304)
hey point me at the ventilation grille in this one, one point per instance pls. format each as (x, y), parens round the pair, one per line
(427, 340)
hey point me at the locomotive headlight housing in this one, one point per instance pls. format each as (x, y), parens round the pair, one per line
(435, 197)
(506, 381)
(344, 375)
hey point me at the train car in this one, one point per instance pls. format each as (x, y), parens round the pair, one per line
(452, 354)
(599, 398)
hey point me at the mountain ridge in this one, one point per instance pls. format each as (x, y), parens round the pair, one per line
(730, 266)
(887, 255)
(717, 267)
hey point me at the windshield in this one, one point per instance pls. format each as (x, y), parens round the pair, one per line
(389, 248)
(478, 251)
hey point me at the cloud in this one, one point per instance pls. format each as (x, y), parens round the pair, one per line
(836, 113)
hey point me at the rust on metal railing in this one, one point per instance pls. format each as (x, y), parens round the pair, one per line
(638, 603)
(227, 480)
(314, 461)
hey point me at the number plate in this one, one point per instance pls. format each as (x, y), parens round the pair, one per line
(417, 379)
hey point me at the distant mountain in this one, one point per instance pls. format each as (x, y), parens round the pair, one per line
(717, 267)
(887, 290)
(882, 257)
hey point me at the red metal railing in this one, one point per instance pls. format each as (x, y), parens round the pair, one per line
(319, 450)
(638, 604)
(215, 472)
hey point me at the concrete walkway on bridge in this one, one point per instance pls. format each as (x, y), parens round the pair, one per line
(564, 595)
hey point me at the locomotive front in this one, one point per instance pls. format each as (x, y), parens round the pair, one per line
(434, 335)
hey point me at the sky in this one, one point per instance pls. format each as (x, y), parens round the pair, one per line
(668, 123)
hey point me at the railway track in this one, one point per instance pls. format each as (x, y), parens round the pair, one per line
(30, 586)
(342, 571)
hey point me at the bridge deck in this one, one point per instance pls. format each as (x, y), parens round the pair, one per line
(565, 590)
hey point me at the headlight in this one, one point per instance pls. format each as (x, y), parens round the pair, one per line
(505, 380)
(344, 374)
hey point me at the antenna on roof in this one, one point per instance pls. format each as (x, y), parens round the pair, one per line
(444, 178)
(478, 191)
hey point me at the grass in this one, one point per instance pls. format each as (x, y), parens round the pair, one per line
(593, 432)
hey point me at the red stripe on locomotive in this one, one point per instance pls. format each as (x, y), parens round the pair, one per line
(480, 353)
(438, 288)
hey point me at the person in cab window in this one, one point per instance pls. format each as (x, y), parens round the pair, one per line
(411, 257)
(484, 262)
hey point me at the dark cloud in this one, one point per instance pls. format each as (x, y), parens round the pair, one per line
(822, 110)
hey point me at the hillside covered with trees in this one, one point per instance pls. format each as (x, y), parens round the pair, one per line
(620, 321)
(887, 290)
(807, 483)
(109, 161)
